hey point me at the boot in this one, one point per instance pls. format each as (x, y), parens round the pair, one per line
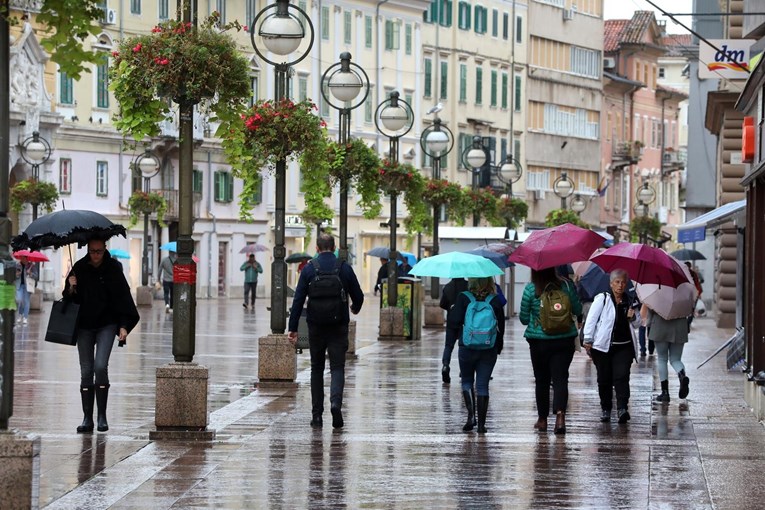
(445, 374)
(470, 423)
(664, 396)
(475, 406)
(483, 406)
(102, 395)
(684, 382)
(541, 424)
(560, 423)
(88, 396)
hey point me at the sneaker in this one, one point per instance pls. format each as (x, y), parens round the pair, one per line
(605, 415)
(624, 415)
(24, 321)
(18, 319)
(167, 308)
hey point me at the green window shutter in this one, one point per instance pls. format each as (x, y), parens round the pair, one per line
(229, 187)
(388, 35)
(493, 88)
(102, 86)
(217, 187)
(325, 22)
(444, 79)
(463, 83)
(368, 31)
(257, 197)
(446, 16)
(494, 22)
(505, 26)
(396, 36)
(484, 19)
(428, 77)
(517, 150)
(197, 181)
(408, 39)
(347, 27)
(504, 90)
(432, 13)
(517, 98)
(478, 85)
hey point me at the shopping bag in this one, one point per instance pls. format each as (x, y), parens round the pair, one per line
(62, 324)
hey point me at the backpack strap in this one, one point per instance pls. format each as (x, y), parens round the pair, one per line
(338, 265)
(316, 266)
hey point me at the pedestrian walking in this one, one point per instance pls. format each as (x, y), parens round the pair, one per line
(327, 282)
(670, 337)
(382, 275)
(452, 330)
(477, 360)
(699, 289)
(612, 346)
(251, 269)
(26, 282)
(96, 282)
(548, 308)
(166, 275)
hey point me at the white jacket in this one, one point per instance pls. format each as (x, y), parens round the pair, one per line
(600, 323)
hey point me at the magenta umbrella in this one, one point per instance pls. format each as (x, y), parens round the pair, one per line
(644, 264)
(556, 246)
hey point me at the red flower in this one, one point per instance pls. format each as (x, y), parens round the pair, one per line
(115, 54)
(245, 28)
(137, 48)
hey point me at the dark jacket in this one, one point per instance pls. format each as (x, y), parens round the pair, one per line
(458, 318)
(382, 276)
(327, 263)
(103, 294)
(449, 299)
(529, 314)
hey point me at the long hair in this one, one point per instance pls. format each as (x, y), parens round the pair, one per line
(481, 287)
(544, 277)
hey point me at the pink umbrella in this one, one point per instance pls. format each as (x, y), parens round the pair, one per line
(644, 264)
(669, 302)
(556, 246)
(32, 256)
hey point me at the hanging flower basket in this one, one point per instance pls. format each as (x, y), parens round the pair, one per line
(644, 226)
(32, 191)
(359, 165)
(561, 216)
(511, 212)
(439, 192)
(180, 62)
(141, 203)
(481, 202)
(397, 177)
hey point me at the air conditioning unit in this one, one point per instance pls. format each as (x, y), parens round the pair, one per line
(568, 14)
(609, 63)
(110, 17)
(539, 194)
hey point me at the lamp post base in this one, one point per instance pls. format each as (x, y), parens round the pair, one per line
(20, 476)
(144, 295)
(434, 314)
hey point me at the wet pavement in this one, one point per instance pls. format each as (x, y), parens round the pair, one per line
(402, 445)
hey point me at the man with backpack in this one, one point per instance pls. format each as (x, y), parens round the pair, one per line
(328, 283)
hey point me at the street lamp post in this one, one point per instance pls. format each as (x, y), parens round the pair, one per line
(148, 164)
(397, 118)
(645, 196)
(281, 33)
(436, 141)
(563, 187)
(509, 172)
(344, 80)
(578, 205)
(35, 150)
(476, 157)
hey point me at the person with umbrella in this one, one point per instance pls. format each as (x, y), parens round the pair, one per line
(448, 299)
(251, 269)
(26, 281)
(669, 337)
(96, 282)
(382, 275)
(166, 275)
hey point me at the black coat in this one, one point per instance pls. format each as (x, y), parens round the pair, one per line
(103, 294)
(449, 295)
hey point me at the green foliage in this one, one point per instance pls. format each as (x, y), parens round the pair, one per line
(641, 226)
(561, 216)
(358, 164)
(439, 192)
(481, 202)
(32, 191)
(180, 62)
(141, 203)
(402, 178)
(511, 212)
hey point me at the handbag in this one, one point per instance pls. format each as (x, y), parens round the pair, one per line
(62, 324)
(302, 341)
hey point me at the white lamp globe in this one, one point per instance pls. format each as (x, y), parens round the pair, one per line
(437, 141)
(36, 151)
(281, 34)
(345, 85)
(394, 118)
(476, 158)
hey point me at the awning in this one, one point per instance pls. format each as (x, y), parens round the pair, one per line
(695, 230)
(487, 233)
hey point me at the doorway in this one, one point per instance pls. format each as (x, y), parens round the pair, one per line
(222, 268)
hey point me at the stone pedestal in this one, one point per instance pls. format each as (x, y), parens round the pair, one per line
(20, 472)
(351, 353)
(36, 299)
(434, 314)
(144, 295)
(391, 324)
(181, 406)
(277, 360)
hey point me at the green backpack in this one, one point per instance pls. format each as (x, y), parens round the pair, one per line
(555, 311)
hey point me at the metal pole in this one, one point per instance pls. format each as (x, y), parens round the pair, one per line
(36, 177)
(278, 266)
(392, 265)
(342, 138)
(145, 258)
(185, 269)
(562, 202)
(434, 282)
(474, 185)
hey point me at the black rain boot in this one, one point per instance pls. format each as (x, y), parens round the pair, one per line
(684, 382)
(88, 396)
(664, 396)
(475, 405)
(102, 395)
(483, 407)
(470, 423)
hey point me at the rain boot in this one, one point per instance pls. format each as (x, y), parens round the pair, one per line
(664, 396)
(475, 404)
(88, 396)
(560, 423)
(470, 423)
(483, 407)
(102, 395)
(684, 382)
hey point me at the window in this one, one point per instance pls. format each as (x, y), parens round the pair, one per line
(428, 77)
(463, 83)
(585, 62)
(65, 89)
(662, 72)
(408, 38)
(445, 13)
(347, 26)
(197, 180)
(538, 180)
(517, 99)
(464, 142)
(519, 29)
(250, 11)
(392, 35)
(567, 121)
(444, 79)
(135, 6)
(368, 31)
(254, 84)
(224, 187)
(102, 86)
(102, 174)
(463, 16)
(164, 9)
(493, 94)
(302, 88)
(325, 22)
(494, 22)
(478, 85)
(324, 104)
(257, 195)
(368, 107)
(505, 86)
(220, 6)
(480, 14)
(65, 176)
(505, 26)
(517, 150)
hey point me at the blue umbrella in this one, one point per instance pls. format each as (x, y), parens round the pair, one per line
(497, 258)
(454, 265)
(171, 246)
(593, 282)
(119, 254)
(410, 257)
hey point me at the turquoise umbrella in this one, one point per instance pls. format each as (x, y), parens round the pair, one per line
(456, 265)
(119, 254)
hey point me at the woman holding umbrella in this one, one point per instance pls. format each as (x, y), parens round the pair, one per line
(669, 336)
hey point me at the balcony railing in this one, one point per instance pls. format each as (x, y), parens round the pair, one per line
(627, 152)
(172, 198)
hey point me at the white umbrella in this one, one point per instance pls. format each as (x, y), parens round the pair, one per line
(669, 302)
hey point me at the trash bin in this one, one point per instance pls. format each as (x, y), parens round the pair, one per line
(410, 298)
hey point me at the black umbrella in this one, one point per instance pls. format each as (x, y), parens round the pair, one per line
(382, 252)
(66, 227)
(688, 254)
(297, 258)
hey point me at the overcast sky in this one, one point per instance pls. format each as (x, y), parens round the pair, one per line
(623, 9)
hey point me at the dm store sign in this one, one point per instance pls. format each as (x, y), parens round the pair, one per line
(724, 58)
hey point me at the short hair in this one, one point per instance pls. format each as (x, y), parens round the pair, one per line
(618, 273)
(325, 242)
(252, 255)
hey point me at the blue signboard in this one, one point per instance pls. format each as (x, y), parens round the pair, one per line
(692, 235)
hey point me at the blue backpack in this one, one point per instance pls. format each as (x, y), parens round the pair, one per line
(480, 328)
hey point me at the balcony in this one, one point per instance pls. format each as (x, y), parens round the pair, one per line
(673, 161)
(626, 153)
(172, 198)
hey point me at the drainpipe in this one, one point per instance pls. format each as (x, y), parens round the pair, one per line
(120, 164)
(511, 106)
(214, 223)
(378, 85)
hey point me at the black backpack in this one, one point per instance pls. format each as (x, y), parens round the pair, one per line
(327, 300)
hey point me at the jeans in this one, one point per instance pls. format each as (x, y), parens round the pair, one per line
(101, 341)
(477, 365)
(167, 287)
(614, 373)
(672, 352)
(642, 333)
(450, 339)
(551, 360)
(249, 288)
(323, 340)
(22, 299)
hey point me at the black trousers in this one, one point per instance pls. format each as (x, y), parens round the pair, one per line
(614, 373)
(551, 360)
(333, 341)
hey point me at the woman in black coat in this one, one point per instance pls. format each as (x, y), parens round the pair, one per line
(97, 283)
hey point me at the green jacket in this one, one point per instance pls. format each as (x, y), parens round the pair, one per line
(251, 272)
(530, 312)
